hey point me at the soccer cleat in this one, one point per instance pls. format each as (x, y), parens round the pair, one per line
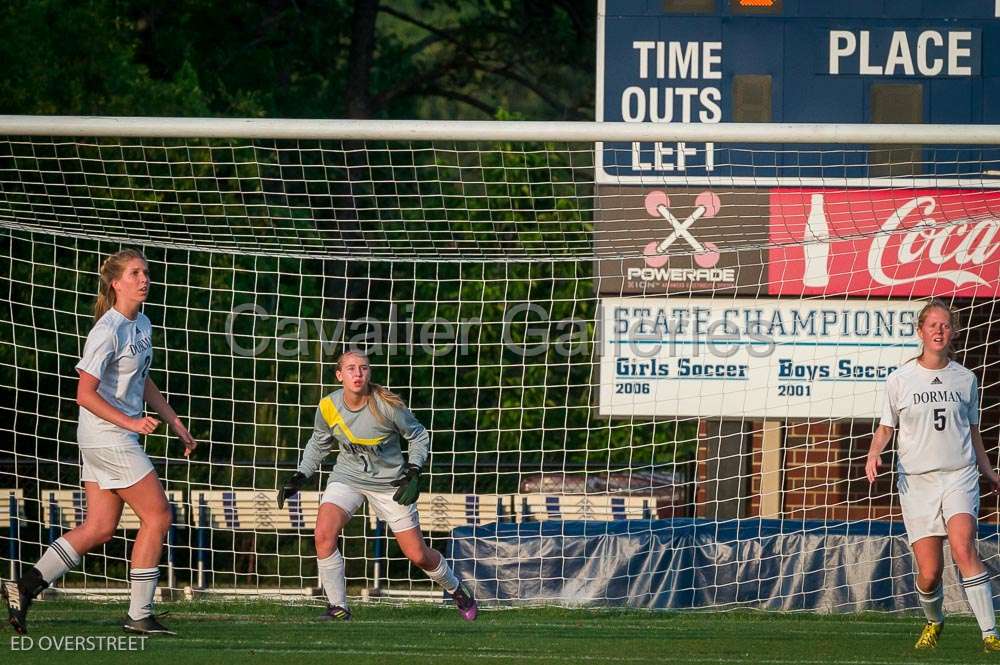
(147, 626)
(465, 603)
(335, 613)
(991, 643)
(18, 596)
(929, 636)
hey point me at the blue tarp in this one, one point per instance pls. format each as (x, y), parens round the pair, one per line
(691, 563)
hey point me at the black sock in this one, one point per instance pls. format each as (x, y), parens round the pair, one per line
(32, 583)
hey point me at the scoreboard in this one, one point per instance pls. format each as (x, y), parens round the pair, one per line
(797, 61)
(786, 233)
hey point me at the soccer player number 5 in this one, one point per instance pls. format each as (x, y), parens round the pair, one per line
(939, 420)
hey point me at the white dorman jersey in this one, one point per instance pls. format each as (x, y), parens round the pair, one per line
(118, 353)
(934, 410)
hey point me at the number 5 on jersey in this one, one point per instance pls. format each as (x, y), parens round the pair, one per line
(939, 420)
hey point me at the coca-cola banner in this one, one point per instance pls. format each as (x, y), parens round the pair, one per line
(898, 242)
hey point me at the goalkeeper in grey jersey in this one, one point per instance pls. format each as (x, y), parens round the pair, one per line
(367, 421)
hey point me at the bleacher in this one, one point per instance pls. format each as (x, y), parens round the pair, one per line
(203, 511)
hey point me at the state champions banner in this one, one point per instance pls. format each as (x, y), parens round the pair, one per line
(748, 357)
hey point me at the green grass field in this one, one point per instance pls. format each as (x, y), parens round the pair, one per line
(217, 632)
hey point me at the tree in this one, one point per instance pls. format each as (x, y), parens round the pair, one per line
(300, 58)
(534, 58)
(70, 58)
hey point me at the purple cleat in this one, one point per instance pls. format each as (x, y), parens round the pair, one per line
(335, 613)
(465, 603)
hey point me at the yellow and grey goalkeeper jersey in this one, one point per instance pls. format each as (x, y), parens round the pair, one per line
(934, 410)
(370, 454)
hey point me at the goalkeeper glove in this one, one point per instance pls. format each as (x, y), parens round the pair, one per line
(408, 485)
(291, 487)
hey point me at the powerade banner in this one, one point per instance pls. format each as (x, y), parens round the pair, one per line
(681, 239)
(751, 357)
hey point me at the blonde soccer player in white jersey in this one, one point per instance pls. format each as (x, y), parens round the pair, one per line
(114, 385)
(367, 422)
(934, 402)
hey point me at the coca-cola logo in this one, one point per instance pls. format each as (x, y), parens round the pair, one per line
(963, 242)
(884, 242)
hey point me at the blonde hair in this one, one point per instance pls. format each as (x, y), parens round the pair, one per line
(112, 269)
(952, 320)
(374, 391)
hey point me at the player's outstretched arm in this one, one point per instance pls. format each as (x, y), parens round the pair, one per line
(881, 438)
(315, 452)
(155, 399)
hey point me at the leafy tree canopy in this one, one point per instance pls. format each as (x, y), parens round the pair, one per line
(299, 58)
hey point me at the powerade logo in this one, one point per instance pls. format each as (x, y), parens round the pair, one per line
(658, 205)
(706, 254)
(682, 275)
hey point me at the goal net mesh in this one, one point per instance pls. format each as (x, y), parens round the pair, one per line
(668, 357)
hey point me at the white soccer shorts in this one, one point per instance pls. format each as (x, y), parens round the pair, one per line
(347, 498)
(930, 499)
(114, 467)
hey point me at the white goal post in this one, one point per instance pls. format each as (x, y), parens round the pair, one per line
(691, 365)
(490, 130)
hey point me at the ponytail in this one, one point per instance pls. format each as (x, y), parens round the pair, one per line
(112, 269)
(377, 393)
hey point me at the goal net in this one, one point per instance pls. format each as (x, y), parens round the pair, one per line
(653, 391)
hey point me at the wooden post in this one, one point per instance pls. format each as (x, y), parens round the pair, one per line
(772, 473)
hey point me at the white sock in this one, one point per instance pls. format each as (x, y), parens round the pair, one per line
(933, 603)
(59, 558)
(444, 576)
(331, 576)
(143, 589)
(980, 595)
